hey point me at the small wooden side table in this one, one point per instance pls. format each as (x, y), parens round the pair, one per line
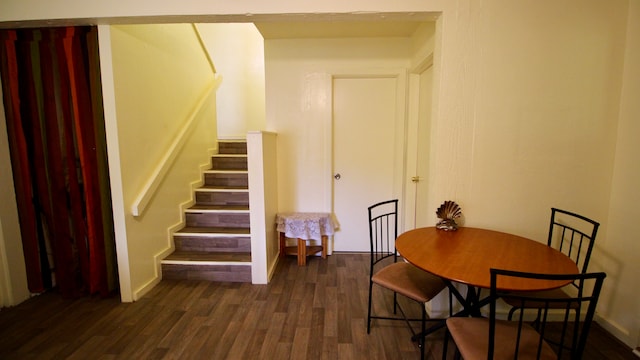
(304, 227)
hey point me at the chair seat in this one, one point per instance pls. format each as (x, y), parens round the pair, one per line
(471, 337)
(547, 294)
(409, 281)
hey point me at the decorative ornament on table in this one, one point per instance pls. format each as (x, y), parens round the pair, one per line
(448, 212)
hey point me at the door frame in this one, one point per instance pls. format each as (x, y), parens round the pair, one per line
(402, 95)
(413, 140)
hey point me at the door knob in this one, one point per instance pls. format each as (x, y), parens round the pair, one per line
(337, 176)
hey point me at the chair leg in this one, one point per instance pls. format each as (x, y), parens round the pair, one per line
(536, 323)
(369, 311)
(450, 303)
(395, 302)
(445, 344)
(445, 341)
(422, 341)
(457, 355)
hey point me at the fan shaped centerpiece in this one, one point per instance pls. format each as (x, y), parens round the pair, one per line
(447, 213)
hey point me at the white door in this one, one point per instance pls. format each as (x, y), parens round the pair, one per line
(368, 166)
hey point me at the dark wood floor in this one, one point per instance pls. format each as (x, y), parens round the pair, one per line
(312, 312)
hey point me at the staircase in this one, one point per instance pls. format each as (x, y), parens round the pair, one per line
(215, 243)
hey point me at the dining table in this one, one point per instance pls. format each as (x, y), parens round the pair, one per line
(466, 255)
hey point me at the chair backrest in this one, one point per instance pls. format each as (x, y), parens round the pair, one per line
(574, 235)
(564, 329)
(383, 230)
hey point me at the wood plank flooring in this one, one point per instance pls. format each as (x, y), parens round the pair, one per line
(312, 312)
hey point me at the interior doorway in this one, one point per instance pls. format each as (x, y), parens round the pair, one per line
(55, 126)
(368, 143)
(421, 132)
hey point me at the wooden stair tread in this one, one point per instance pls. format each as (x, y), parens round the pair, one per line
(226, 172)
(215, 244)
(209, 257)
(220, 207)
(214, 230)
(221, 188)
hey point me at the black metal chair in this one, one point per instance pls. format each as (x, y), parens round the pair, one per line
(398, 276)
(573, 235)
(489, 338)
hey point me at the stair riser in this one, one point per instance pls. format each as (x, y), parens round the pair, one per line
(207, 272)
(213, 244)
(226, 180)
(232, 148)
(218, 220)
(196, 257)
(229, 163)
(222, 198)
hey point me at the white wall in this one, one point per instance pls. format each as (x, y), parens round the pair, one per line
(237, 51)
(507, 74)
(298, 80)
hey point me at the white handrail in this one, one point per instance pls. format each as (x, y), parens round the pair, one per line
(150, 187)
(204, 48)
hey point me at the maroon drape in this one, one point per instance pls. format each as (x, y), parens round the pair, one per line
(56, 130)
(19, 159)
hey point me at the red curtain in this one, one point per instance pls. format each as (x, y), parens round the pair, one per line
(53, 101)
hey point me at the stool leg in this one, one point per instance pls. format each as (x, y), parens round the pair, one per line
(302, 252)
(283, 244)
(324, 246)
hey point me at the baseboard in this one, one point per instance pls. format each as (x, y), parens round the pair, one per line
(636, 352)
(616, 330)
(272, 269)
(143, 290)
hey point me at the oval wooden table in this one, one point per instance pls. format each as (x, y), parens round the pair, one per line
(466, 255)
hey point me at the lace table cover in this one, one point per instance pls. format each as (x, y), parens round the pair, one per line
(306, 226)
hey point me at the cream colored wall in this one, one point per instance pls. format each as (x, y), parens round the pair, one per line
(544, 114)
(298, 86)
(159, 73)
(539, 128)
(237, 50)
(506, 73)
(618, 248)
